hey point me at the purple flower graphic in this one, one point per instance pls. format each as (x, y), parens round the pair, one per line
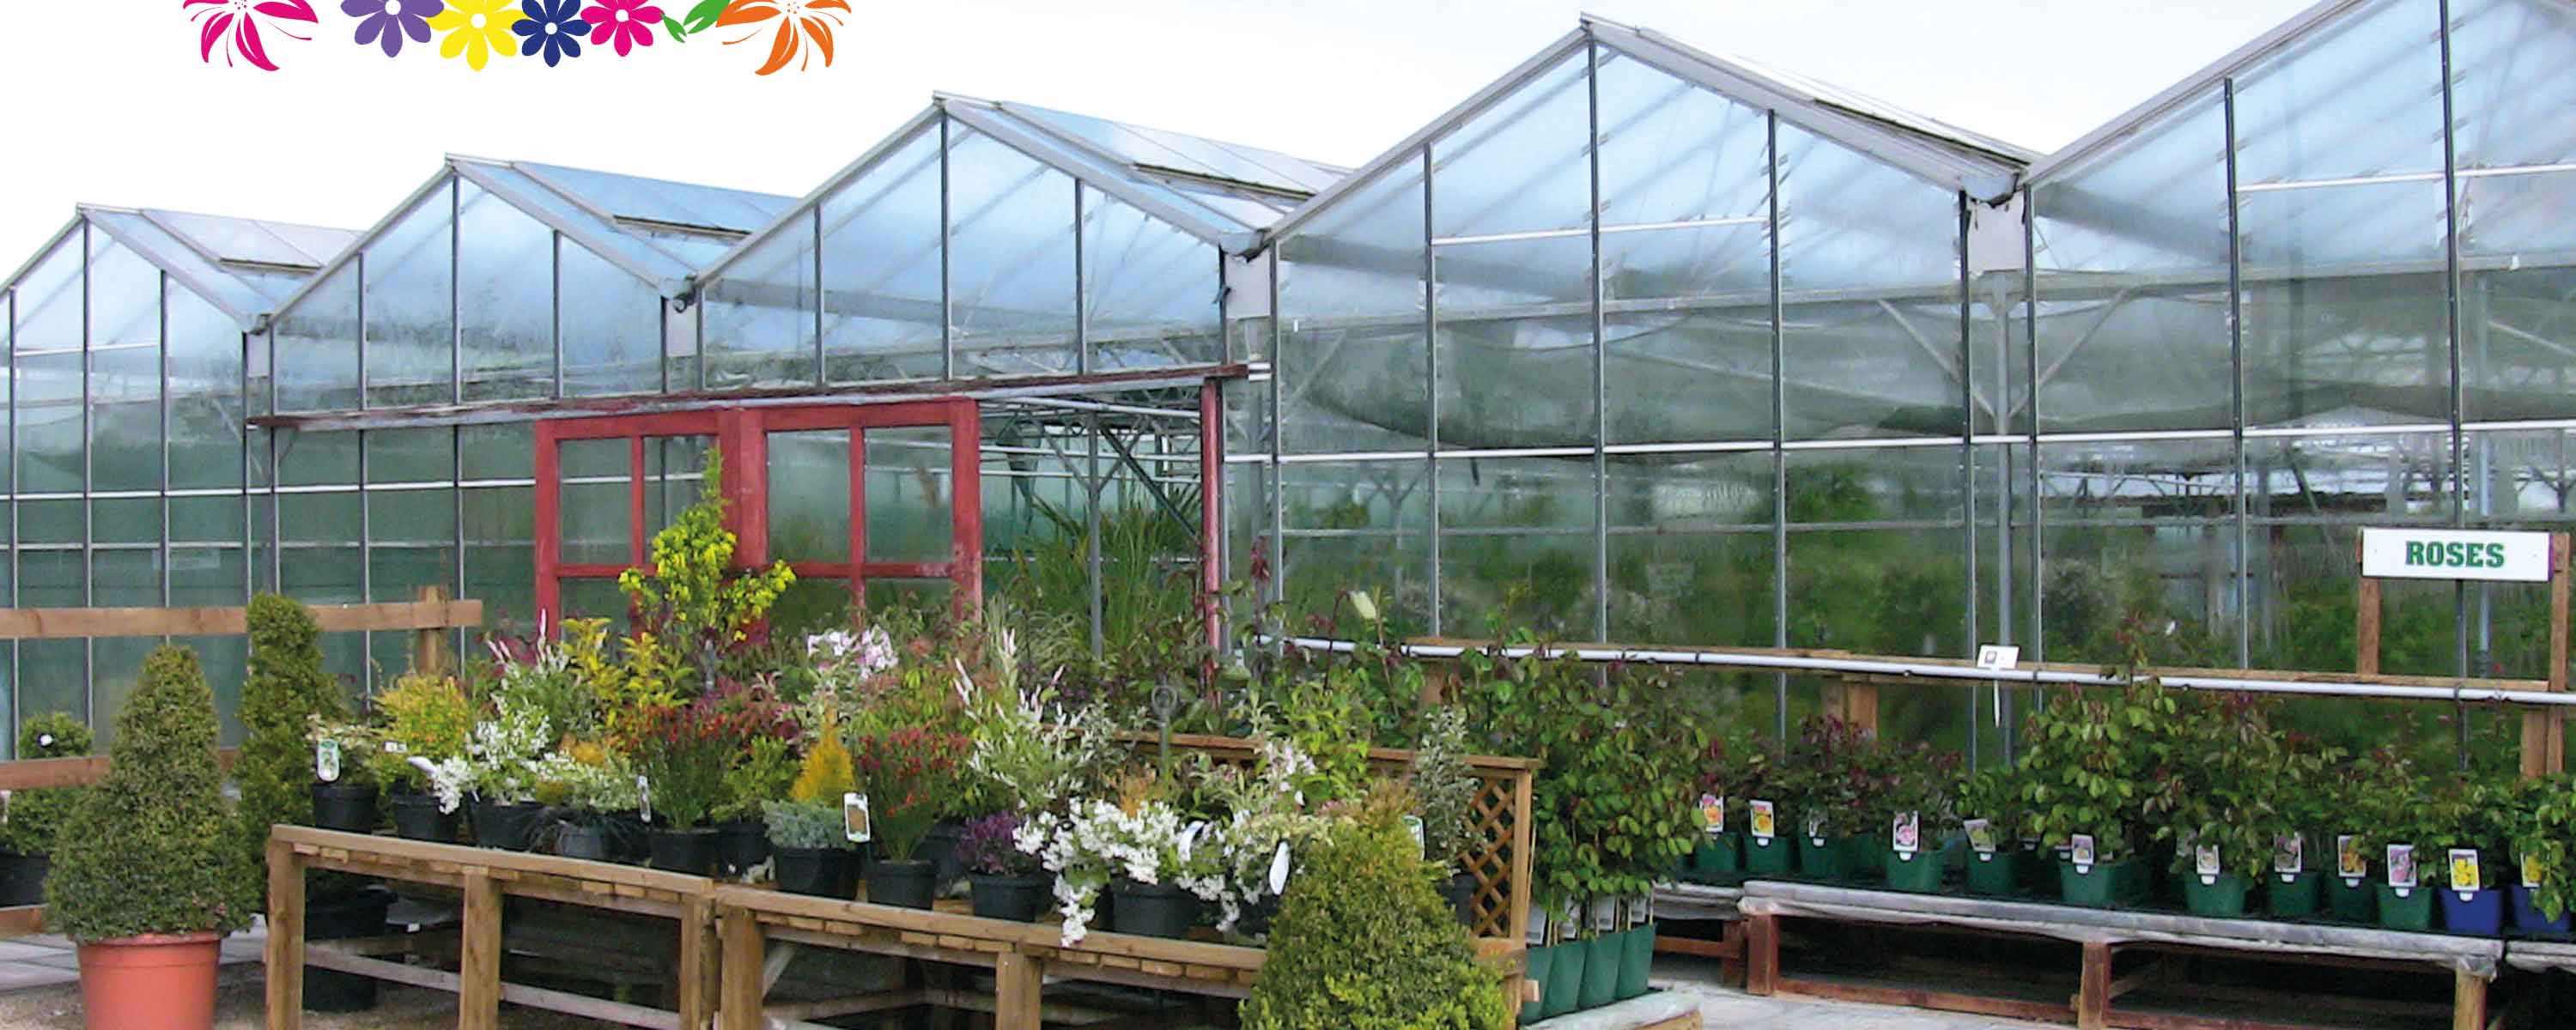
(552, 27)
(386, 22)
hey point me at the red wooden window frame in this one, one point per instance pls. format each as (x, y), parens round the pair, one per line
(742, 438)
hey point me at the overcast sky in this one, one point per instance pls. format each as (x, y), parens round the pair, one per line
(127, 115)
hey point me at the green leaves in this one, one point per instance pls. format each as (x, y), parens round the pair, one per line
(698, 19)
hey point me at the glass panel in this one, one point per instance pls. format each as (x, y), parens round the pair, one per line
(881, 296)
(125, 520)
(411, 455)
(49, 300)
(612, 327)
(1351, 362)
(1875, 551)
(411, 305)
(51, 522)
(1889, 366)
(1010, 260)
(498, 452)
(207, 520)
(205, 394)
(2338, 351)
(921, 595)
(1691, 559)
(2143, 532)
(597, 501)
(910, 492)
(505, 293)
(1152, 290)
(500, 560)
(2517, 344)
(1516, 544)
(759, 318)
(2361, 96)
(317, 347)
(1520, 165)
(674, 473)
(1358, 526)
(318, 459)
(125, 418)
(809, 496)
(52, 447)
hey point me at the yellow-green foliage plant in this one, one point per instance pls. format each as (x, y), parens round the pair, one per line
(693, 597)
(1364, 943)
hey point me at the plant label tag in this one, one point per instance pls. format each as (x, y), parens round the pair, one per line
(1981, 839)
(2079, 850)
(1905, 833)
(1279, 870)
(2466, 878)
(2401, 867)
(1998, 657)
(2205, 864)
(1190, 836)
(2289, 856)
(1765, 819)
(395, 747)
(1816, 830)
(1712, 815)
(644, 798)
(2530, 873)
(326, 761)
(2348, 861)
(4, 806)
(1412, 825)
(855, 823)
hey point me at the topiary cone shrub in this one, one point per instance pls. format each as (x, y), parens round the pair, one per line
(150, 850)
(285, 692)
(1363, 942)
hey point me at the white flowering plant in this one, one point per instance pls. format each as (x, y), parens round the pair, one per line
(1099, 841)
(1036, 752)
(501, 760)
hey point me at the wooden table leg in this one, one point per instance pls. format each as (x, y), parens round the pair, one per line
(743, 972)
(285, 938)
(1761, 955)
(478, 996)
(1730, 971)
(2093, 1000)
(2468, 1000)
(698, 963)
(1017, 982)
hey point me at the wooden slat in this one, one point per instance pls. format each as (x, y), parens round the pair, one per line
(77, 623)
(740, 996)
(41, 773)
(495, 862)
(2093, 993)
(323, 956)
(1017, 982)
(478, 1003)
(285, 949)
(698, 963)
(22, 921)
(1924, 998)
(930, 925)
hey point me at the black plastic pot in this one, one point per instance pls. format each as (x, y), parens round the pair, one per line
(682, 851)
(939, 848)
(626, 836)
(416, 817)
(344, 806)
(1153, 909)
(1255, 919)
(1460, 892)
(740, 846)
(22, 879)
(906, 884)
(820, 872)
(509, 827)
(1015, 898)
(348, 916)
(583, 840)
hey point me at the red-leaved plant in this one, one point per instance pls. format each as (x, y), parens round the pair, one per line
(913, 776)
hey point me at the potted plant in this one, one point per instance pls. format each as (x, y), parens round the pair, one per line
(764, 770)
(1444, 794)
(2294, 780)
(1911, 798)
(2470, 844)
(2213, 797)
(809, 834)
(1824, 777)
(2001, 849)
(284, 775)
(2086, 779)
(1366, 903)
(417, 754)
(30, 820)
(2545, 847)
(499, 773)
(2403, 830)
(1003, 882)
(2361, 796)
(148, 873)
(908, 778)
(1735, 770)
(584, 788)
(682, 754)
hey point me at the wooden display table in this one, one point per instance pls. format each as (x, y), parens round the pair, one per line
(2101, 934)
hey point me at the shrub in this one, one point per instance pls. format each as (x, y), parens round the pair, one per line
(36, 816)
(806, 824)
(282, 700)
(990, 846)
(1363, 943)
(150, 849)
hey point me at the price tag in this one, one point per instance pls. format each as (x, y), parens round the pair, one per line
(1190, 836)
(1816, 830)
(855, 822)
(4, 806)
(2080, 851)
(395, 747)
(2348, 861)
(2530, 873)
(1998, 657)
(1981, 838)
(644, 798)
(1905, 833)
(326, 761)
(2289, 856)
(1712, 814)
(1766, 820)
(2466, 878)
(2205, 864)
(2401, 868)
(1279, 870)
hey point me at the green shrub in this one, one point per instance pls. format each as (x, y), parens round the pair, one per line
(1364, 943)
(36, 816)
(149, 850)
(286, 691)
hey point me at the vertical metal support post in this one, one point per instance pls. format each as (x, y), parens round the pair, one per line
(9, 745)
(1779, 435)
(2242, 568)
(1081, 292)
(456, 294)
(822, 370)
(1091, 537)
(1212, 509)
(2457, 394)
(1278, 485)
(89, 489)
(161, 372)
(2030, 357)
(1600, 353)
(1968, 463)
(1431, 377)
(554, 315)
(947, 237)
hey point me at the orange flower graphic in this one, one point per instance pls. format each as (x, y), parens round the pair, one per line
(799, 22)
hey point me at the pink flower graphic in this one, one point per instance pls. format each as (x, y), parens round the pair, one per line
(235, 24)
(628, 23)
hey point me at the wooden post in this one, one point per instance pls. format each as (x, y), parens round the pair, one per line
(1017, 982)
(429, 655)
(743, 972)
(1761, 954)
(285, 938)
(698, 963)
(2365, 632)
(478, 995)
(2544, 732)
(2468, 1001)
(1523, 862)
(2093, 997)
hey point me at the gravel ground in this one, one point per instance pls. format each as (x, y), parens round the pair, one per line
(240, 1004)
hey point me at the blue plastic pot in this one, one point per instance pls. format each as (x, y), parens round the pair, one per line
(2527, 917)
(2478, 913)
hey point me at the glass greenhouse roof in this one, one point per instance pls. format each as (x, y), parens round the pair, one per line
(243, 266)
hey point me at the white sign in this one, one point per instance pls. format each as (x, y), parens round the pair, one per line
(1998, 657)
(2455, 554)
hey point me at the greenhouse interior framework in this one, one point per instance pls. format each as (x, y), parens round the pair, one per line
(1638, 344)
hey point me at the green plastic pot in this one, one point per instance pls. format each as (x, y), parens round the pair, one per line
(2291, 895)
(2104, 884)
(1564, 981)
(1997, 874)
(1720, 855)
(2414, 911)
(2214, 897)
(1770, 857)
(1863, 855)
(1824, 858)
(1601, 958)
(2351, 900)
(1636, 960)
(1919, 872)
(1540, 961)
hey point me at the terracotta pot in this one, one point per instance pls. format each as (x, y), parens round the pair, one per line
(151, 982)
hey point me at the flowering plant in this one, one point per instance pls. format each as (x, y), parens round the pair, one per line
(1100, 840)
(990, 846)
(1034, 753)
(912, 777)
(589, 778)
(682, 756)
(842, 660)
(500, 760)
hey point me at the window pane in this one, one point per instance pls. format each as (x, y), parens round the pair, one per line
(596, 501)
(881, 299)
(505, 294)
(612, 330)
(910, 493)
(809, 496)
(410, 307)
(1010, 260)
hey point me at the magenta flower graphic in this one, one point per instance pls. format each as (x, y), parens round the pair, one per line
(386, 22)
(624, 23)
(235, 25)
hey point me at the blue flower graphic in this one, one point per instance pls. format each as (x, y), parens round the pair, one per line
(552, 27)
(386, 22)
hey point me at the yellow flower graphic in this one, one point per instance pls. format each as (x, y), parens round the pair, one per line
(477, 29)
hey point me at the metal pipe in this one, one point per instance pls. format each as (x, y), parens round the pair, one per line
(1600, 353)
(1779, 433)
(1431, 382)
(2243, 569)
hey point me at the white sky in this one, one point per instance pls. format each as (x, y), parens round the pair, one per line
(125, 114)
